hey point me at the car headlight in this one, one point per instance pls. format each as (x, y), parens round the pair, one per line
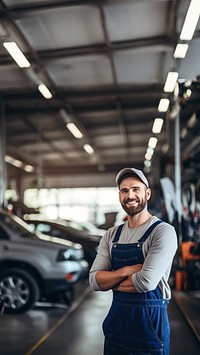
(70, 254)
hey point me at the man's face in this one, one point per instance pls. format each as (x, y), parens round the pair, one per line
(133, 195)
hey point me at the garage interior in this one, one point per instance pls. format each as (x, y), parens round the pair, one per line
(100, 67)
(105, 64)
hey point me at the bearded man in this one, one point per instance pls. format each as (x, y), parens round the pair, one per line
(134, 261)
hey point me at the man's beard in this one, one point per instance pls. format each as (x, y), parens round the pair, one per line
(132, 211)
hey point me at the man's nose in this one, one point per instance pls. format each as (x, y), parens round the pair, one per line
(130, 193)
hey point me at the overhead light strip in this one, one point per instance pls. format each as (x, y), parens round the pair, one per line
(18, 164)
(181, 50)
(88, 148)
(157, 125)
(171, 81)
(16, 54)
(163, 105)
(44, 91)
(191, 20)
(152, 142)
(74, 130)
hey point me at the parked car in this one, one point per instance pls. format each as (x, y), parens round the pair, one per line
(67, 231)
(34, 266)
(86, 227)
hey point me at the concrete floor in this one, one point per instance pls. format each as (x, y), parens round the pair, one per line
(58, 330)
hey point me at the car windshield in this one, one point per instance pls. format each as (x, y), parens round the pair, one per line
(18, 226)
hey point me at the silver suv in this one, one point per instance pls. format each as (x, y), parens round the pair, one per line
(33, 266)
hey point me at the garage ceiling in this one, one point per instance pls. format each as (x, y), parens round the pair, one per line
(105, 63)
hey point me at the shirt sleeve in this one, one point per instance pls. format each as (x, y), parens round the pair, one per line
(159, 254)
(101, 262)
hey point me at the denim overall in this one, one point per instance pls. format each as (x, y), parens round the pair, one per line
(137, 323)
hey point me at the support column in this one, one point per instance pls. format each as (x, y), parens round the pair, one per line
(3, 175)
(177, 172)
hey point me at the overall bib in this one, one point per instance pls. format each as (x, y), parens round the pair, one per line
(137, 323)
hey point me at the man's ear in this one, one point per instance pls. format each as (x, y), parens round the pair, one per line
(148, 193)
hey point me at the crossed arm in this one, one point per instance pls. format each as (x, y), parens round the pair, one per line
(119, 280)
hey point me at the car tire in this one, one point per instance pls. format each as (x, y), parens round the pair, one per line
(19, 290)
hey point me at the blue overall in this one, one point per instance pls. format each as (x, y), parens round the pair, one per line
(137, 323)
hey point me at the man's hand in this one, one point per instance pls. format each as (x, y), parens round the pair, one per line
(130, 270)
(126, 286)
(111, 279)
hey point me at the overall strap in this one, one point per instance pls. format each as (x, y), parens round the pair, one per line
(117, 234)
(148, 231)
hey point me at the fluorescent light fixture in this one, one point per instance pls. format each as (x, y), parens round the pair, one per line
(163, 105)
(157, 125)
(148, 156)
(152, 142)
(74, 130)
(170, 81)
(187, 94)
(191, 20)
(29, 168)
(8, 159)
(150, 151)
(188, 83)
(16, 54)
(165, 148)
(12, 161)
(192, 121)
(88, 148)
(18, 164)
(183, 132)
(45, 91)
(181, 50)
(147, 163)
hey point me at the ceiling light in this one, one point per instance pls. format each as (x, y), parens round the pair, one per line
(170, 81)
(88, 148)
(18, 164)
(163, 105)
(181, 50)
(45, 91)
(16, 54)
(187, 83)
(150, 151)
(148, 156)
(165, 148)
(74, 130)
(183, 132)
(29, 168)
(157, 125)
(8, 159)
(191, 20)
(152, 142)
(192, 121)
(12, 161)
(147, 163)
(187, 94)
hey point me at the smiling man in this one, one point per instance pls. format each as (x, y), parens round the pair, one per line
(134, 260)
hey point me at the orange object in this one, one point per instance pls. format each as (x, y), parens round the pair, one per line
(185, 252)
(181, 280)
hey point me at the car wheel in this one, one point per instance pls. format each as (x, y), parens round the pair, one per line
(18, 289)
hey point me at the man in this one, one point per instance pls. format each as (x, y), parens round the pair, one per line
(134, 260)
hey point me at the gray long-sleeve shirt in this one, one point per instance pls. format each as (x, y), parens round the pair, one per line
(158, 250)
